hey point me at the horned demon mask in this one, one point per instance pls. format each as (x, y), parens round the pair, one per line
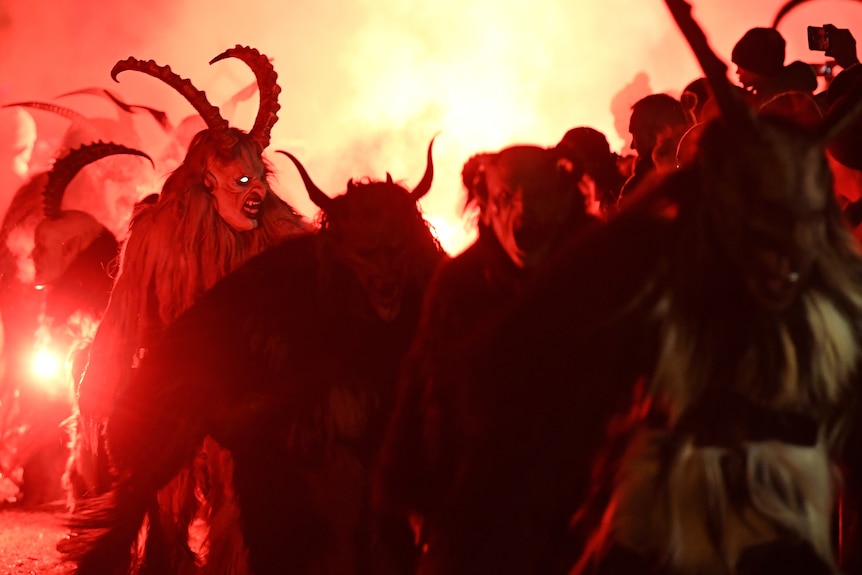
(63, 234)
(228, 163)
(373, 226)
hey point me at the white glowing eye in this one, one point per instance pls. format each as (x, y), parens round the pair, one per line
(243, 180)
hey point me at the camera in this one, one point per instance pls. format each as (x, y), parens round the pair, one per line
(818, 38)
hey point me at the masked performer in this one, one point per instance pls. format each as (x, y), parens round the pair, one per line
(73, 257)
(530, 200)
(96, 194)
(215, 211)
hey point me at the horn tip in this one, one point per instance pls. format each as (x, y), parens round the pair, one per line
(119, 67)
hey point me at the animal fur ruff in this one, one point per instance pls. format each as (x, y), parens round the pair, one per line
(679, 502)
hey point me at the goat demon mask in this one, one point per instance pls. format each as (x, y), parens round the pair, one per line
(228, 163)
(63, 234)
(372, 227)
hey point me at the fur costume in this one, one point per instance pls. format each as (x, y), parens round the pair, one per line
(178, 248)
(728, 302)
(422, 454)
(286, 364)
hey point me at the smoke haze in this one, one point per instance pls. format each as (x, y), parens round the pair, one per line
(367, 83)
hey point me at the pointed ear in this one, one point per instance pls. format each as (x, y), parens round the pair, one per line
(210, 181)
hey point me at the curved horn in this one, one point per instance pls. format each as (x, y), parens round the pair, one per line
(320, 199)
(785, 9)
(389, 178)
(158, 115)
(67, 167)
(267, 87)
(60, 110)
(424, 184)
(733, 109)
(195, 97)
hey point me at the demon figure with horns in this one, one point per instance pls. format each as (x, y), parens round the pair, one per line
(98, 193)
(734, 319)
(73, 256)
(215, 211)
(290, 362)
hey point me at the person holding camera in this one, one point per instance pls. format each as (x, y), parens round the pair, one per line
(840, 45)
(759, 56)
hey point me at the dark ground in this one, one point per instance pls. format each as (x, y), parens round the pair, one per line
(28, 541)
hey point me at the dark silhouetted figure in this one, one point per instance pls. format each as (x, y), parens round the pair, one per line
(657, 123)
(759, 56)
(530, 203)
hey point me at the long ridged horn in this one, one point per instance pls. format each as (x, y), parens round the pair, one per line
(195, 97)
(424, 185)
(733, 109)
(268, 88)
(158, 115)
(67, 167)
(318, 196)
(48, 107)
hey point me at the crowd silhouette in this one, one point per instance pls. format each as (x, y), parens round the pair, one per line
(646, 363)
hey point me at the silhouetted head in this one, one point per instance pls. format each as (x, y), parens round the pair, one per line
(376, 230)
(592, 160)
(759, 54)
(653, 116)
(694, 97)
(526, 195)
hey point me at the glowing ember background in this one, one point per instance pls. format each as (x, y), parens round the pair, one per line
(368, 82)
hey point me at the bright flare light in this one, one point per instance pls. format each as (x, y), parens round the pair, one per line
(453, 234)
(46, 369)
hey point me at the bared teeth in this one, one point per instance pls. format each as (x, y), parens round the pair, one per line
(252, 205)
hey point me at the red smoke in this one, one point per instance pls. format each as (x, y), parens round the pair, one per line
(366, 83)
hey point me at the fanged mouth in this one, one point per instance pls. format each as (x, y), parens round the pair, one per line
(251, 206)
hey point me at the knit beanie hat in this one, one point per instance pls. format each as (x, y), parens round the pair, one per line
(760, 50)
